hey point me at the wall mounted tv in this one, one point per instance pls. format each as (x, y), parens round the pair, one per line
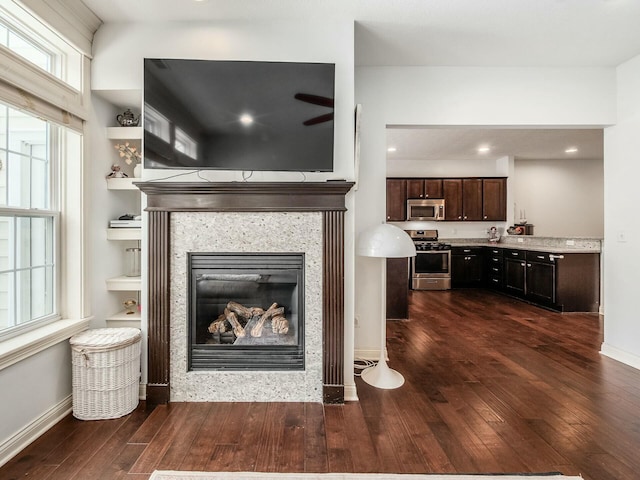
(238, 115)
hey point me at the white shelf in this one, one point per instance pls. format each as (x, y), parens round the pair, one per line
(124, 133)
(132, 323)
(124, 234)
(121, 183)
(124, 316)
(124, 284)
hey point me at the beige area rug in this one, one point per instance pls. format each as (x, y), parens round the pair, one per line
(171, 475)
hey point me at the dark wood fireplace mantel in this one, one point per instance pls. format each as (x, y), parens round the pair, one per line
(166, 197)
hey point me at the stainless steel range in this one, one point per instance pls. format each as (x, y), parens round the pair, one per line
(431, 267)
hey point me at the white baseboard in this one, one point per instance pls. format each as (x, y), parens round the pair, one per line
(369, 354)
(620, 355)
(16, 443)
(142, 394)
(350, 393)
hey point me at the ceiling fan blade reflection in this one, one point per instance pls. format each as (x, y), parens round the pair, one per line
(314, 99)
(319, 119)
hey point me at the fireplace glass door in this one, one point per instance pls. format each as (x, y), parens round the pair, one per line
(246, 311)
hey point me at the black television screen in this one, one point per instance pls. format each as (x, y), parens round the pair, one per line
(238, 115)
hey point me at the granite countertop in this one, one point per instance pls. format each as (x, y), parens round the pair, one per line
(532, 243)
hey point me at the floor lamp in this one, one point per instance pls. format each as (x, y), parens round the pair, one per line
(384, 241)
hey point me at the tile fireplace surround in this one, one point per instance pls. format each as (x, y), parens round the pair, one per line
(209, 217)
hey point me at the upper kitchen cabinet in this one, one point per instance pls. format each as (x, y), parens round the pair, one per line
(473, 199)
(424, 188)
(462, 198)
(452, 194)
(494, 199)
(396, 200)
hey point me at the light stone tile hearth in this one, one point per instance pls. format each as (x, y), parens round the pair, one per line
(271, 232)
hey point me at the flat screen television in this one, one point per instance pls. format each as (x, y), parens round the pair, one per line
(238, 115)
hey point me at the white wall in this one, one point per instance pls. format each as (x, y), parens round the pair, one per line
(561, 198)
(458, 96)
(117, 68)
(622, 231)
(31, 387)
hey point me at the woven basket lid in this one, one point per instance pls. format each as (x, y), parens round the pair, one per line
(104, 338)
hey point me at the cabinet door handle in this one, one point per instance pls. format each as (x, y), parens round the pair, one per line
(459, 218)
(485, 217)
(466, 250)
(515, 253)
(426, 195)
(528, 264)
(541, 257)
(553, 257)
(495, 259)
(495, 269)
(523, 264)
(465, 217)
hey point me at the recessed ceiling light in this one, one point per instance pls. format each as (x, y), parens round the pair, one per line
(483, 149)
(391, 149)
(571, 150)
(246, 119)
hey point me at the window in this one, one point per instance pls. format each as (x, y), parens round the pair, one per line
(185, 144)
(29, 152)
(26, 36)
(156, 123)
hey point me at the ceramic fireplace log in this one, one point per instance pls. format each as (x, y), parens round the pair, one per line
(219, 325)
(280, 325)
(238, 329)
(271, 312)
(244, 312)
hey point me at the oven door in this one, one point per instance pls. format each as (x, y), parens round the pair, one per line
(431, 270)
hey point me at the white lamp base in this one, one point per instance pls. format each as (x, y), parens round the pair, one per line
(381, 376)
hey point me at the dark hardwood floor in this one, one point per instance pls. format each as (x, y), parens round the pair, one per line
(492, 385)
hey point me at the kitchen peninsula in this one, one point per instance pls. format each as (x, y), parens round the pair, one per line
(561, 274)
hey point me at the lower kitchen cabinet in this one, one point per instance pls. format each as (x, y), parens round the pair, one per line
(514, 272)
(493, 268)
(466, 266)
(568, 282)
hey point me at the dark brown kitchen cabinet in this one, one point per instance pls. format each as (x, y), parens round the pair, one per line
(514, 272)
(494, 199)
(396, 200)
(424, 188)
(466, 266)
(462, 198)
(471, 199)
(568, 282)
(540, 280)
(466, 199)
(493, 267)
(452, 194)
(398, 288)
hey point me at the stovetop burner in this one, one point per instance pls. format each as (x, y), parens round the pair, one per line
(429, 246)
(427, 240)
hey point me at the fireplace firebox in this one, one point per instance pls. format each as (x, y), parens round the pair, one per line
(246, 311)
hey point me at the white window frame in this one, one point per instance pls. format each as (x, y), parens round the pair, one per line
(27, 87)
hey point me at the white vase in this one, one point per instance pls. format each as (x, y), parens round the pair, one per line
(137, 170)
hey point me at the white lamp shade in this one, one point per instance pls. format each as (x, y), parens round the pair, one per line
(385, 241)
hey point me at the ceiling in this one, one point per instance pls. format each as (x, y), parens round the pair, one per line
(562, 33)
(521, 143)
(524, 33)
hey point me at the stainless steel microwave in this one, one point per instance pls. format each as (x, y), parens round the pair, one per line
(425, 209)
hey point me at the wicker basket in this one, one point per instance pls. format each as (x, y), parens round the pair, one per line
(106, 372)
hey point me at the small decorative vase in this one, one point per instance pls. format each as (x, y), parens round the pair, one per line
(137, 170)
